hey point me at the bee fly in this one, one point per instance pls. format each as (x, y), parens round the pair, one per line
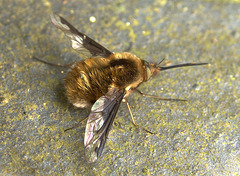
(102, 81)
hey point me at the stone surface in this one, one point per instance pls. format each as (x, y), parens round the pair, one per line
(197, 137)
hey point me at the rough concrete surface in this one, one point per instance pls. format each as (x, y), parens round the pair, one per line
(197, 137)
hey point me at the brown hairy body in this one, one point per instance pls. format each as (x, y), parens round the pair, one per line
(90, 79)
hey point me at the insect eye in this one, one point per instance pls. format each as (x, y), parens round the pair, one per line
(148, 70)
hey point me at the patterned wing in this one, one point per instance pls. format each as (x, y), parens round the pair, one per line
(80, 42)
(99, 122)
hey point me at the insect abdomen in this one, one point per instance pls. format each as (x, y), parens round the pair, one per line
(87, 81)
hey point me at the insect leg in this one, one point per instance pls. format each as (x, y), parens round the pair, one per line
(57, 65)
(134, 120)
(79, 123)
(160, 98)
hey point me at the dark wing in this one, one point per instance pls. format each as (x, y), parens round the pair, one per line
(80, 42)
(99, 122)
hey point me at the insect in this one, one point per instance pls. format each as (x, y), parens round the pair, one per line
(101, 82)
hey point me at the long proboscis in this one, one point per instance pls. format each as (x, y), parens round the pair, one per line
(181, 65)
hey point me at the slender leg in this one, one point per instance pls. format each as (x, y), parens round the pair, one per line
(161, 61)
(134, 120)
(79, 123)
(57, 65)
(160, 98)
